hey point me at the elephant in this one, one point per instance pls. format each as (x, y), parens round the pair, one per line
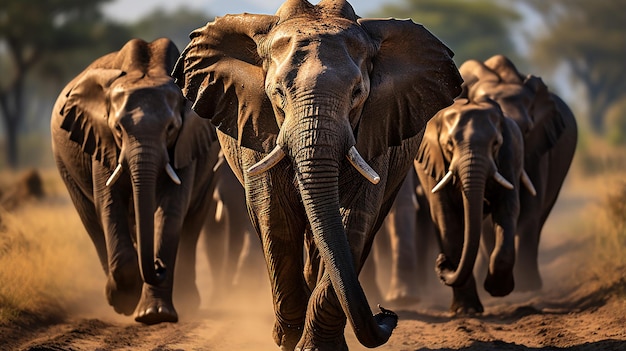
(294, 96)
(136, 161)
(232, 248)
(550, 136)
(402, 249)
(471, 163)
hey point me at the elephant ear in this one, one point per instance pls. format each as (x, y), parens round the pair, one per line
(195, 138)
(85, 114)
(548, 121)
(221, 73)
(511, 149)
(413, 77)
(430, 156)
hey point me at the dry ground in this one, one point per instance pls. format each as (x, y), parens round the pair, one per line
(582, 307)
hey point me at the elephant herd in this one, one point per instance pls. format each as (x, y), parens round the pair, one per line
(321, 115)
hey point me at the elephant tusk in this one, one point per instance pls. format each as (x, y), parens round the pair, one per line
(528, 183)
(359, 163)
(502, 181)
(170, 172)
(115, 176)
(268, 161)
(445, 180)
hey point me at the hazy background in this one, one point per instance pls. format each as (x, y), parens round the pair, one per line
(578, 47)
(131, 10)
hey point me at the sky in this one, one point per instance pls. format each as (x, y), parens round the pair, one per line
(131, 10)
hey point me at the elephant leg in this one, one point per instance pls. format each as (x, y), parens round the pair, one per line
(526, 269)
(281, 228)
(426, 245)
(401, 223)
(465, 300)
(283, 256)
(216, 232)
(499, 280)
(236, 241)
(527, 265)
(87, 212)
(251, 272)
(187, 296)
(123, 287)
(325, 320)
(123, 284)
(178, 222)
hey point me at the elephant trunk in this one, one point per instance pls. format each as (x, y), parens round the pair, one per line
(320, 151)
(144, 171)
(472, 171)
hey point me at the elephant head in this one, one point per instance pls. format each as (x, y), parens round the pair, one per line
(314, 84)
(525, 99)
(467, 148)
(126, 111)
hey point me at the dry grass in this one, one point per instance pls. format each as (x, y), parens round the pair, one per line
(47, 262)
(597, 183)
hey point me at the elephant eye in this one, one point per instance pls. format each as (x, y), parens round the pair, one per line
(450, 145)
(280, 93)
(171, 129)
(118, 129)
(357, 93)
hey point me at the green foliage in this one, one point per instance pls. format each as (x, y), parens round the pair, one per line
(588, 37)
(476, 29)
(55, 38)
(175, 25)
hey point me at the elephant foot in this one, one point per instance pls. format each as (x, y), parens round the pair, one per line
(287, 336)
(155, 306)
(464, 308)
(499, 284)
(123, 291)
(310, 342)
(465, 301)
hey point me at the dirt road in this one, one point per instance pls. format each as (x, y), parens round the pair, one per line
(591, 318)
(577, 310)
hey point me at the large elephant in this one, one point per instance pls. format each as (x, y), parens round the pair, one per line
(471, 163)
(550, 136)
(137, 162)
(294, 95)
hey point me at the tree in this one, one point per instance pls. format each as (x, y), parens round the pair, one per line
(175, 25)
(589, 37)
(473, 29)
(39, 32)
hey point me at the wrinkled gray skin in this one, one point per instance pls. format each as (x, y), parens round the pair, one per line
(403, 249)
(232, 247)
(472, 142)
(550, 136)
(309, 83)
(124, 112)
